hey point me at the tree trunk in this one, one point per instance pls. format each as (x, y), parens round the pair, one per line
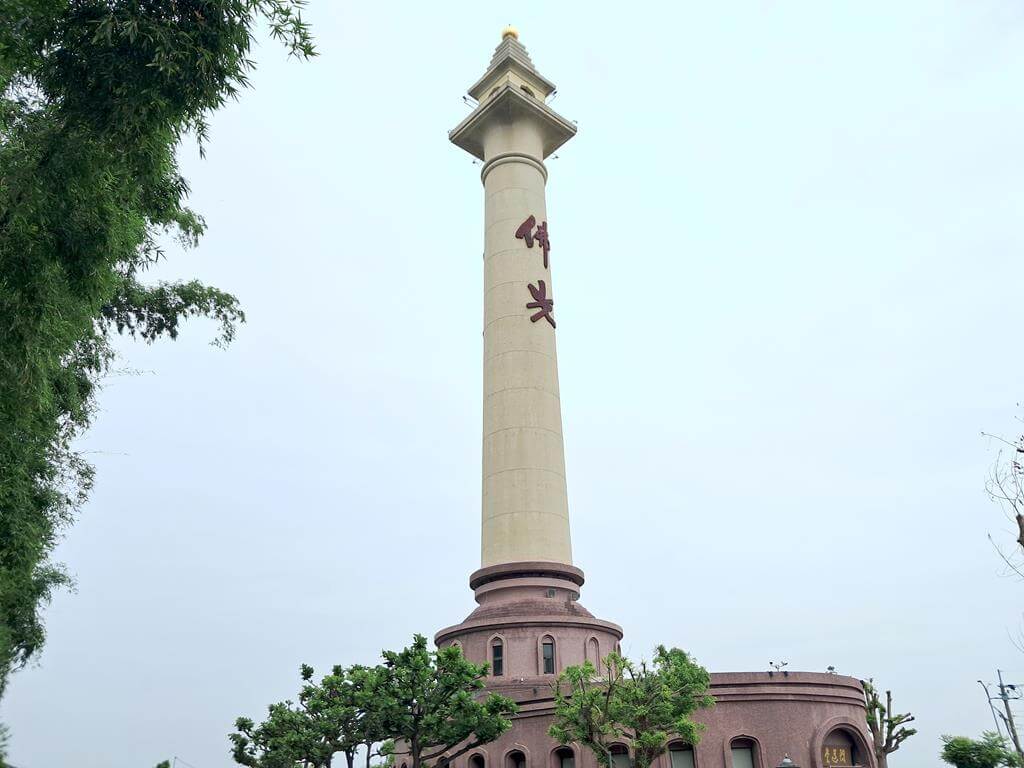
(882, 759)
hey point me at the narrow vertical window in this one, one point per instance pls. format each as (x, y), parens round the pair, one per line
(620, 756)
(564, 758)
(680, 755)
(548, 654)
(594, 652)
(497, 658)
(743, 754)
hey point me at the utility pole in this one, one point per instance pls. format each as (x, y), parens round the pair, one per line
(1008, 718)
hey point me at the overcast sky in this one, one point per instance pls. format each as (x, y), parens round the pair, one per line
(788, 251)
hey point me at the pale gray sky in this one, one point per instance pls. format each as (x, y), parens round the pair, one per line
(788, 251)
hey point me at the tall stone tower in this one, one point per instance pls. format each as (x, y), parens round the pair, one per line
(512, 130)
(529, 624)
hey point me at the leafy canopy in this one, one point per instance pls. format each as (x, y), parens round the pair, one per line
(640, 706)
(95, 96)
(434, 706)
(324, 722)
(429, 702)
(990, 751)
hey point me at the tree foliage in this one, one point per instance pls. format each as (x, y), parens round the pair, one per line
(309, 733)
(95, 96)
(990, 751)
(888, 729)
(638, 705)
(429, 702)
(434, 710)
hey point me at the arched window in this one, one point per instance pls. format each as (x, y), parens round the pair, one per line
(477, 761)
(744, 754)
(594, 652)
(547, 655)
(497, 657)
(620, 756)
(840, 749)
(515, 759)
(563, 757)
(680, 755)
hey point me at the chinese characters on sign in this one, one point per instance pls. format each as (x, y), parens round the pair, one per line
(531, 232)
(835, 756)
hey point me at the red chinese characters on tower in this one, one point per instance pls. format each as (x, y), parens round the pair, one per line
(542, 302)
(527, 232)
(531, 232)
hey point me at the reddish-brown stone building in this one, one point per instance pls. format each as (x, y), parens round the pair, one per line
(529, 623)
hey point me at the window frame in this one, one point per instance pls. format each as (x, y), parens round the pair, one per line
(754, 745)
(541, 641)
(506, 762)
(680, 745)
(624, 751)
(557, 756)
(497, 641)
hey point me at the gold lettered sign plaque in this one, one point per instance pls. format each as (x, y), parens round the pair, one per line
(835, 755)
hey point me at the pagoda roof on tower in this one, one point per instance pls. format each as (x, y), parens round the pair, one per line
(511, 89)
(511, 55)
(506, 103)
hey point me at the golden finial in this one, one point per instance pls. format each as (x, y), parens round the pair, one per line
(510, 31)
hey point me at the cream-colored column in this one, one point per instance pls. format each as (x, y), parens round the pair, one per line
(525, 507)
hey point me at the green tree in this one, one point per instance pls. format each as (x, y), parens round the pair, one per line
(429, 700)
(95, 96)
(638, 705)
(436, 707)
(326, 721)
(888, 729)
(164, 764)
(370, 692)
(990, 751)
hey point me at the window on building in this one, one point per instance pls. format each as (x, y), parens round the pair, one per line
(680, 755)
(564, 758)
(547, 648)
(497, 658)
(743, 754)
(620, 756)
(594, 653)
(477, 761)
(515, 759)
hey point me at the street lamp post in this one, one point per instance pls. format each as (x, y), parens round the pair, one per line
(992, 709)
